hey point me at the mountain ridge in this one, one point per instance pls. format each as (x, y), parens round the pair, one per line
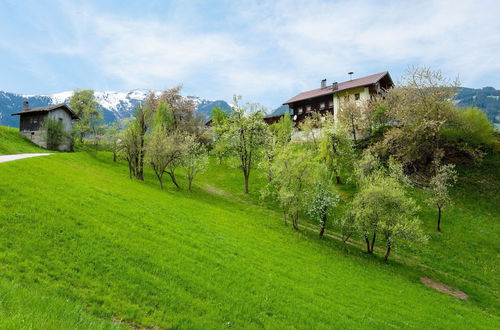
(115, 105)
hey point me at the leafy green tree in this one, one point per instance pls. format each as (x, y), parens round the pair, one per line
(353, 115)
(195, 161)
(419, 108)
(112, 138)
(164, 116)
(242, 135)
(295, 169)
(445, 176)
(129, 146)
(143, 117)
(84, 104)
(382, 207)
(220, 150)
(278, 135)
(336, 150)
(322, 200)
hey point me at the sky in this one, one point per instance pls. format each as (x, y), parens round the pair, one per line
(266, 51)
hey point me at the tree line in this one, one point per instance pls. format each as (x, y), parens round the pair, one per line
(411, 135)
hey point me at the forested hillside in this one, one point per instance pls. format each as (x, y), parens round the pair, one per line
(486, 99)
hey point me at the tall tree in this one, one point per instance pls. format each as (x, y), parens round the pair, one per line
(243, 135)
(322, 200)
(336, 150)
(294, 173)
(418, 109)
(382, 207)
(353, 115)
(84, 104)
(195, 160)
(445, 176)
(143, 116)
(129, 146)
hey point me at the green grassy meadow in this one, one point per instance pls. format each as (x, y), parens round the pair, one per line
(11, 142)
(83, 246)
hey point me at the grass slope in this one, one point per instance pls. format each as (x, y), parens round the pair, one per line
(464, 255)
(11, 142)
(75, 226)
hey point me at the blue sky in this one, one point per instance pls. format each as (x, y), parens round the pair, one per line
(267, 51)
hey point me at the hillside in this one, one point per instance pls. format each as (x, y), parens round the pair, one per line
(74, 228)
(115, 105)
(486, 99)
(11, 142)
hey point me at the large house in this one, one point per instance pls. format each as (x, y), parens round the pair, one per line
(329, 98)
(31, 122)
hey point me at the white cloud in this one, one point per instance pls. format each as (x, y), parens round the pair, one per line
(268, 51)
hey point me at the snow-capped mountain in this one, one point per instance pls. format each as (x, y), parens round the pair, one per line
(115, 105)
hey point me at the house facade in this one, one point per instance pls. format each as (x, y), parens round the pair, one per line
(31, 122)
(328, 99)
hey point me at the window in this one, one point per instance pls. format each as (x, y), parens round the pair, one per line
(308, 108)
(329, 104)
(322, 105)
(300, 110)
(356, 96)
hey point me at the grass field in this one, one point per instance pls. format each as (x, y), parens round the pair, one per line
(11, 142)
(99, 250)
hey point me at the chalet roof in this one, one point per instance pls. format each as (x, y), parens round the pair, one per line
(342, 86)
(48, 108)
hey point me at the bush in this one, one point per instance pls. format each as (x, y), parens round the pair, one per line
(470, 126)
(54, 132)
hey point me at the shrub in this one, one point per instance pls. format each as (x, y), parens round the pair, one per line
(470, 126)
(54, 132)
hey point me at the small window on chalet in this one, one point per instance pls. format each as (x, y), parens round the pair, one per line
(322, 105)
(300, 110)
(308, 108)
(356, 96)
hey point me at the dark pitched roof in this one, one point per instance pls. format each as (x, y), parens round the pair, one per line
(359, 82)
(48, 108)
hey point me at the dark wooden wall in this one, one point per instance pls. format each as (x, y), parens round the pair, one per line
(31, 121)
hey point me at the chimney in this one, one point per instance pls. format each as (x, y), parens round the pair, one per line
(26, 105)
(323, 83)
(350, 75)
(335, 86)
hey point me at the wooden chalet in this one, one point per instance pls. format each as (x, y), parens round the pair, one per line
(31, 122)
(329, 98)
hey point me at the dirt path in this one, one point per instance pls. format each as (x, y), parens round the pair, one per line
(8, 158)
(444, 288)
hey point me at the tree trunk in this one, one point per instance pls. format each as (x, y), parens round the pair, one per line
(190, 183)
(130, 169)
(114, 157)
(172, 176)
(388, 251)
(246, 182)
(367, 244)
(373, 241)
(140, 167)
(295, 220)
(338, 180)
(323, 226)
(439, 219)
(160, 179)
